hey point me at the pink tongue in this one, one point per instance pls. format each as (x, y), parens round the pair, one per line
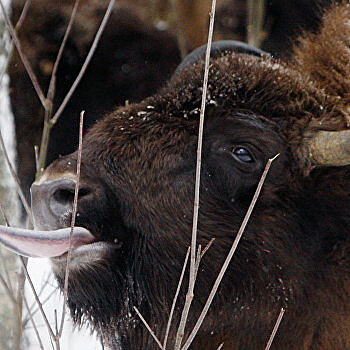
(43, 244)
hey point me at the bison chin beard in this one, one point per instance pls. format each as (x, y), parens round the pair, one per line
(96, 294)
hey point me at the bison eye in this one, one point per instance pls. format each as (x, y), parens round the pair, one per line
(242, 154)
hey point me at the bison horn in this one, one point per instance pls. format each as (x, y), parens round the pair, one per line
(329, 148)
(43, 244)
(217, 49)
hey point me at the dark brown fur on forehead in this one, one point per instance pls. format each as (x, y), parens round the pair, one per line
(265, 87)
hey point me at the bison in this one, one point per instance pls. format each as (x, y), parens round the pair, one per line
(136, 201)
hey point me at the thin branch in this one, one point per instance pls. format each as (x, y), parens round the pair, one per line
(36, 297)
(45, 300)
(229, 256)
(15, 177)
(4, 215)
(220, 346)
(51, 90)
(51, 94)
(25, 321)
(32, 320)
(36, 154)
(87, 61)
(198, 261)
(189, 296)
(274, 331)
(23, 15)
(177, 23)
(175, 299)
(56, 322)
(207, 247)
(17, 301)
(148, 328)
(8, 290)
(6, 269)
(17, 28)
(200, 255)
(74, 214)
(24, 59)
(256, 13)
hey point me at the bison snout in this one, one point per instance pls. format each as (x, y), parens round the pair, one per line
(52, 202)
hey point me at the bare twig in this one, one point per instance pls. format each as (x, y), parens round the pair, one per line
(56, 322)
(51, 94)
(200, 255)
(51, 89)
(8, 290)
(36, 297)
(6, 269)
(175, 299)
(207, 247)
(23, 15)
(87, 61)
(15, 177)
(4, 215)
(256, 13)
(148, 328)
(189, 296)
(220, 346)
(16, 300)
(24, 59)
(36, 153)
(176, 22)
(17, 28)
(32, 320)
(229, 256)
(34, 311)
(275, 328)
(74, 214)
(44, 301)
(198, 260)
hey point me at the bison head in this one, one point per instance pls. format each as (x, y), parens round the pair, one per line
(136, 202)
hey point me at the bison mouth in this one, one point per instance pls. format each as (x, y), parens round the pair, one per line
(52, 206)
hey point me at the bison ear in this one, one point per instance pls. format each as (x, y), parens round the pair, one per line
(218, 48)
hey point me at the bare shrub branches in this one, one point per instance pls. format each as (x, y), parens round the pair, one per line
(229, 256)
(256, 13)
(74, 214)
(275, 329)
(190, 295)
(175, 299)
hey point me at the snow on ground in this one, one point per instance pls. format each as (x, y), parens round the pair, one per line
(40, 272)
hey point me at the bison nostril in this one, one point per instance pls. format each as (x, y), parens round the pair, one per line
(66, 195)
(52, 201)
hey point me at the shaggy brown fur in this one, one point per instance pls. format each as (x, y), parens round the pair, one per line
(139, 163)
(132, 61)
